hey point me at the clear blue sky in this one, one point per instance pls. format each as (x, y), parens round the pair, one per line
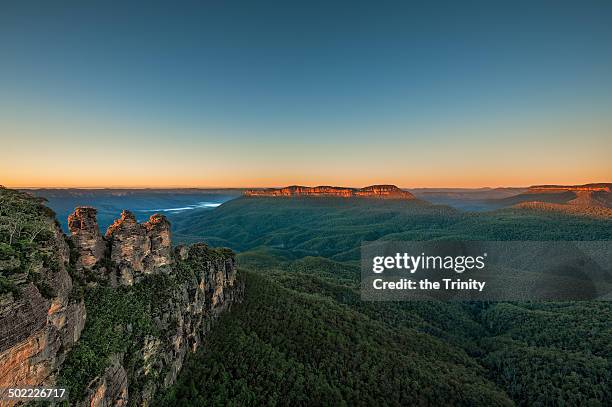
(274, 93)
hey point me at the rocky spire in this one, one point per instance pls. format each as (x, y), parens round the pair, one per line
(86, 236)
(158, 231)
(139, 248)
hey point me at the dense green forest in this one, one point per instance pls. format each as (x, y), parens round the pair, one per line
(335, 227)
(303, 336)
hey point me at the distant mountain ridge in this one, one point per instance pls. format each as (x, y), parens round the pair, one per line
(593, 200)
(372, 191)
(598, 187)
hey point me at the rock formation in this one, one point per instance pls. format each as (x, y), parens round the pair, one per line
(137, 248)
(42, 317)
(602, 187)
(86, 237)
(129, 246)
(158, 231)
(182, 319)
(110, 389)
(384, 191)
(373, 191)
(39, 321)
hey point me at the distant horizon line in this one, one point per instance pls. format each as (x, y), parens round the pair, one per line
(274, 187)
(250, 187)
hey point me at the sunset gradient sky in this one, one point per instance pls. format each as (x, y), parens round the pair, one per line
(243, 94)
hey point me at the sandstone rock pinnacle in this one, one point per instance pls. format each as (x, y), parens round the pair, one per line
(86, 236)
(139, 248)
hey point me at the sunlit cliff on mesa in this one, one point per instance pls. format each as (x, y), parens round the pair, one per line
(602, 187)
(373, 191)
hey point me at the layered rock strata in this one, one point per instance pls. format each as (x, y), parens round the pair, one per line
(602, 187)
(40, 320)
(373, 191)
(86, 236)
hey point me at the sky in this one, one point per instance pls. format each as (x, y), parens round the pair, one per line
(262, 94)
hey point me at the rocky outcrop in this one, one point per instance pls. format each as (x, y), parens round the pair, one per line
(601, 187)
(129, 246)
(138, 249)
(200, 284)
(373, 191)
(110, 389)
(40, 320)
(135, 248)
(384, 191)
(42, 310)
(185, 318)
(86, 237)
(158, 232)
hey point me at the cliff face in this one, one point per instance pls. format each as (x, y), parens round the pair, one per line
(158, 232)
(373, 191)
(147, 305)
(181, 305)
(86, 236)
(39, 319)
(602, 187)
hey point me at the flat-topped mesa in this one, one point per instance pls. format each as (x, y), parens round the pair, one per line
(139, 248)
(384, 191)
(373, 191)
(601, 187)
(86, 237)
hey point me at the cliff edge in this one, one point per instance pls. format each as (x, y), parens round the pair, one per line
(110, 317)
(373, 191)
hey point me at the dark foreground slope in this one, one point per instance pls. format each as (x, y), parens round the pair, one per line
(303, 335)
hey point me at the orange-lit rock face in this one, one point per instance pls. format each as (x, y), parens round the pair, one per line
(18, 366)
(605, 187)
(384, 191)
(34, 333)
(24, 356)
(374, 191)
(86, 236)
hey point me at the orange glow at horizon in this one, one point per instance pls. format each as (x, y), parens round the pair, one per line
(89, 154)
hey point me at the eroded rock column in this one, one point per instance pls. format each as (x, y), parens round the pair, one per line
(86, 237)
